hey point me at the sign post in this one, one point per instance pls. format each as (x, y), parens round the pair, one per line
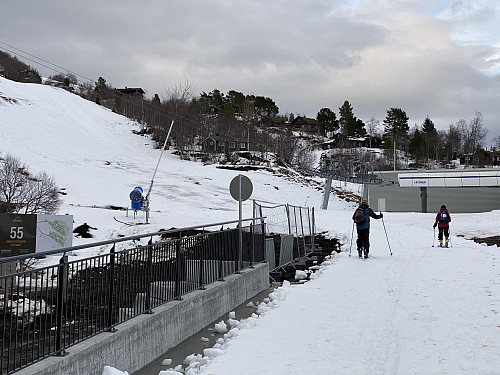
(241, 189)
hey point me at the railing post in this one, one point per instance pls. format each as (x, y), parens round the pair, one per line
(149, 270)
(303, 234)
(252, 247)
(311, 227)
(296, 230)
(287, 207)
(111, 289)
(62, 277)
(221, 245)
(202, 263)
(178, 270)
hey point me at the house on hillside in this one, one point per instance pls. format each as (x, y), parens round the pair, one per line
(305, 123)
(217, 144)
(492, 157)
(466, 159)
(132, 91)
(353, 142)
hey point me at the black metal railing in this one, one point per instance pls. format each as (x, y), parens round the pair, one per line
(46, 310)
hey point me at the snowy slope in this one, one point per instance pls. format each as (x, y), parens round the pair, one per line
(424, 310)
(93, 155)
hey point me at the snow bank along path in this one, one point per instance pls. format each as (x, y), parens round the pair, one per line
(424, 310)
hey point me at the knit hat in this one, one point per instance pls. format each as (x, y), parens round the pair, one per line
(443, 206)
(364, 201)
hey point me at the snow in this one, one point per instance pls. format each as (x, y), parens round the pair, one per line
(423, 310)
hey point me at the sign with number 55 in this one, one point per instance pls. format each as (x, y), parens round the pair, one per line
(17, 234)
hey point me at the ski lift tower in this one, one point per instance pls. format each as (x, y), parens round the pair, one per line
(347, 169)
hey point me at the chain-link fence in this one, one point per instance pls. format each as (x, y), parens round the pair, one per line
(292, 229)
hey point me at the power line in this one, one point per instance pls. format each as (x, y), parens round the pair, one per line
(61, 70)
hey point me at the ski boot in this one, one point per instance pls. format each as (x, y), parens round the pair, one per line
(440, 243)
(446, 242)
(360, 253)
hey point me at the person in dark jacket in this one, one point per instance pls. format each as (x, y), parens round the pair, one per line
(442, 221)
(363, 229)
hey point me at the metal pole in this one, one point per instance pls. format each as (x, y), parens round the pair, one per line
(352, 235)
(109, 323)
(326, 194)
(62, 277)
(240, 233)
(423, 197)
(146, 200)
(386, 236)
(394, 150)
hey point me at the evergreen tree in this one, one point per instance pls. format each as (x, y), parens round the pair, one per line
(359, 128)
(417, 145)
(156, 101)
(430, 135)
(396, 127)
(327, 121)
(428, 126)
(100, 84)
(347, 121)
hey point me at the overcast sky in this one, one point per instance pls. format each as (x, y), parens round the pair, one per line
(438, 58)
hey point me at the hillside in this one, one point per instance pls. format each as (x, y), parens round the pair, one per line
(96, 160)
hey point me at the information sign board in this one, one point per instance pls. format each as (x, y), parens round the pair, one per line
(17, 234)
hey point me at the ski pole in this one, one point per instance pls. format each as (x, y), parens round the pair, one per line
(352, 234)
(385, 230)
(434, 237)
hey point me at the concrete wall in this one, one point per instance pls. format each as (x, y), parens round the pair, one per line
(142, 339)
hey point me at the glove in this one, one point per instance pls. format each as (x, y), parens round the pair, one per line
(381, 215)
(434, 226)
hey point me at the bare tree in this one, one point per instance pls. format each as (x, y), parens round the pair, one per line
(304, 157)
(24, 193)
(372, 126)
(473, 133)
(496, 142)
(284, 146)
(477, 131)
(178, 102)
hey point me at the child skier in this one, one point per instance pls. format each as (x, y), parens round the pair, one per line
(442, 221)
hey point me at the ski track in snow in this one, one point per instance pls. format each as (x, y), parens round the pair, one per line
(420, 311)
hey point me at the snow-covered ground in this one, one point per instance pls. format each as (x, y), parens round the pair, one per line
(423, 310)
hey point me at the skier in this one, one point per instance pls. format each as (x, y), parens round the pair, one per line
(442, 221)
(362, 219)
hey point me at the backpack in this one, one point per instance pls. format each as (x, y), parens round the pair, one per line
(444, 216)
(359, 216)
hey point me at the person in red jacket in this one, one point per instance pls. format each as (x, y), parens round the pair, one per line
(442, 221)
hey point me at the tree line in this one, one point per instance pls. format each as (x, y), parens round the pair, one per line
(234, 115)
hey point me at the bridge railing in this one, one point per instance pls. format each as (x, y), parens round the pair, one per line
(46, 310)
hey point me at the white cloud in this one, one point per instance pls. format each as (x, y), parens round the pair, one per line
(427, 57)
